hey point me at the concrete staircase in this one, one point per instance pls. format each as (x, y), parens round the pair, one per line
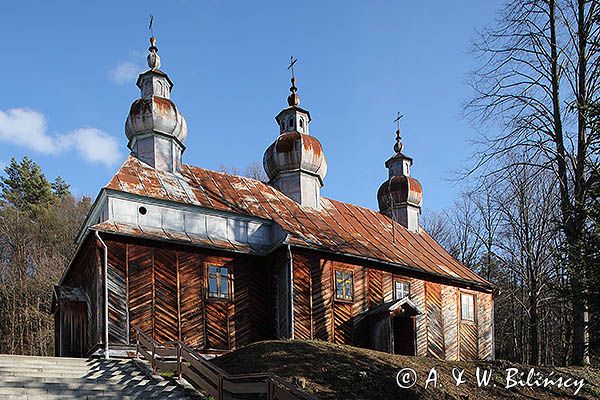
(26, 378)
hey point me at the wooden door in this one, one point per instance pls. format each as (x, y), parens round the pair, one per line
(404, 335)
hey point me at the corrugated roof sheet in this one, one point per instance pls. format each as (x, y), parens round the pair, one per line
(339, 227)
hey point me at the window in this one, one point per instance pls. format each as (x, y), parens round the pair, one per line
(401, 289)
(218, 282)
(301, 123)
(343, 285)
(467, 307)
(291, 123)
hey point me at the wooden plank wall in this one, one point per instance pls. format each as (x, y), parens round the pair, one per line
(141, 288)
(165, 293)
(191, 278)
(417, 294)
(86, 275)
(450, 314)
(166, 307)
(485, 313)
(435, 324)
(282, 297)
(322, 300)
(302, 297)
(375, 282)
(468, 334)
(117, 294)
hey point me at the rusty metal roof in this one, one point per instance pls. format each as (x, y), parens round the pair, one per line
(337, 227)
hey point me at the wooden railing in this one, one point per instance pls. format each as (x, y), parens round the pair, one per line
(180, 359)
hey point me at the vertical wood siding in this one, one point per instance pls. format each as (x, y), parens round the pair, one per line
(282, 296)
(435, 324)
(85, 275)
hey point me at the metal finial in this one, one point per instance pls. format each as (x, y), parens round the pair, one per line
(153, 58)
(293, 98)
(398, 145)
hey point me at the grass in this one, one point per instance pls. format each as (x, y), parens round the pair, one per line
(332, 371)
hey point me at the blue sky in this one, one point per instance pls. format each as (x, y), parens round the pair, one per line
(69, 69)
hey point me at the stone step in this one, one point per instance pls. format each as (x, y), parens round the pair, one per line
(99, 391)
(75, 362)
(49, 378)
(86, 397)
(68, 368)
(10, 381)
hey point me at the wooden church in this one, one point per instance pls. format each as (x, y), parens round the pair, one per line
(219, 261)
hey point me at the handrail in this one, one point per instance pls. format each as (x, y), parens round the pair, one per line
(177, 357)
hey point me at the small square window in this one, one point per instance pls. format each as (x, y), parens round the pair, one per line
(344, 285)
(467, 307)
(218, 282)
(401, 290)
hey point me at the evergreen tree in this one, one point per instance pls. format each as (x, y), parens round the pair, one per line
(60, 188)
(24, 185)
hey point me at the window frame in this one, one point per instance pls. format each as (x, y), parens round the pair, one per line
(406, 282)
(219, 265)
(343, 271)
(472, 320)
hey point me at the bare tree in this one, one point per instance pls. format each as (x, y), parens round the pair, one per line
(537, 77)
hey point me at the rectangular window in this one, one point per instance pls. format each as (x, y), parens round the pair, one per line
(401, 289)
(343, 285)
(218, 282)
(467, 307)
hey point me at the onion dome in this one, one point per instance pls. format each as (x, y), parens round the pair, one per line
(399, 190)
(400, 197)
(155, 112)
(295, 162)
(294, 151)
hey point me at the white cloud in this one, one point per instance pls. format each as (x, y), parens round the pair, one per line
(28, 128)
(124, 72)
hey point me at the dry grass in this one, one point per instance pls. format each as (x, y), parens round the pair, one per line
(343, 372)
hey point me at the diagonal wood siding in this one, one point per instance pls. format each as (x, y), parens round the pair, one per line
(117, 294)
(322, 301)
(468, 341)
(485, 312)
(375, 294)
(191, 299)
(435, 327)
(450, 315)
(166, 320)
(302, 297)
(217, 325)
(141, 290)
(164, 289)
(417, 294)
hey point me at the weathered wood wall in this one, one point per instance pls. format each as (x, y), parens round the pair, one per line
(440, 333)
(162, 291)
(85, 274)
